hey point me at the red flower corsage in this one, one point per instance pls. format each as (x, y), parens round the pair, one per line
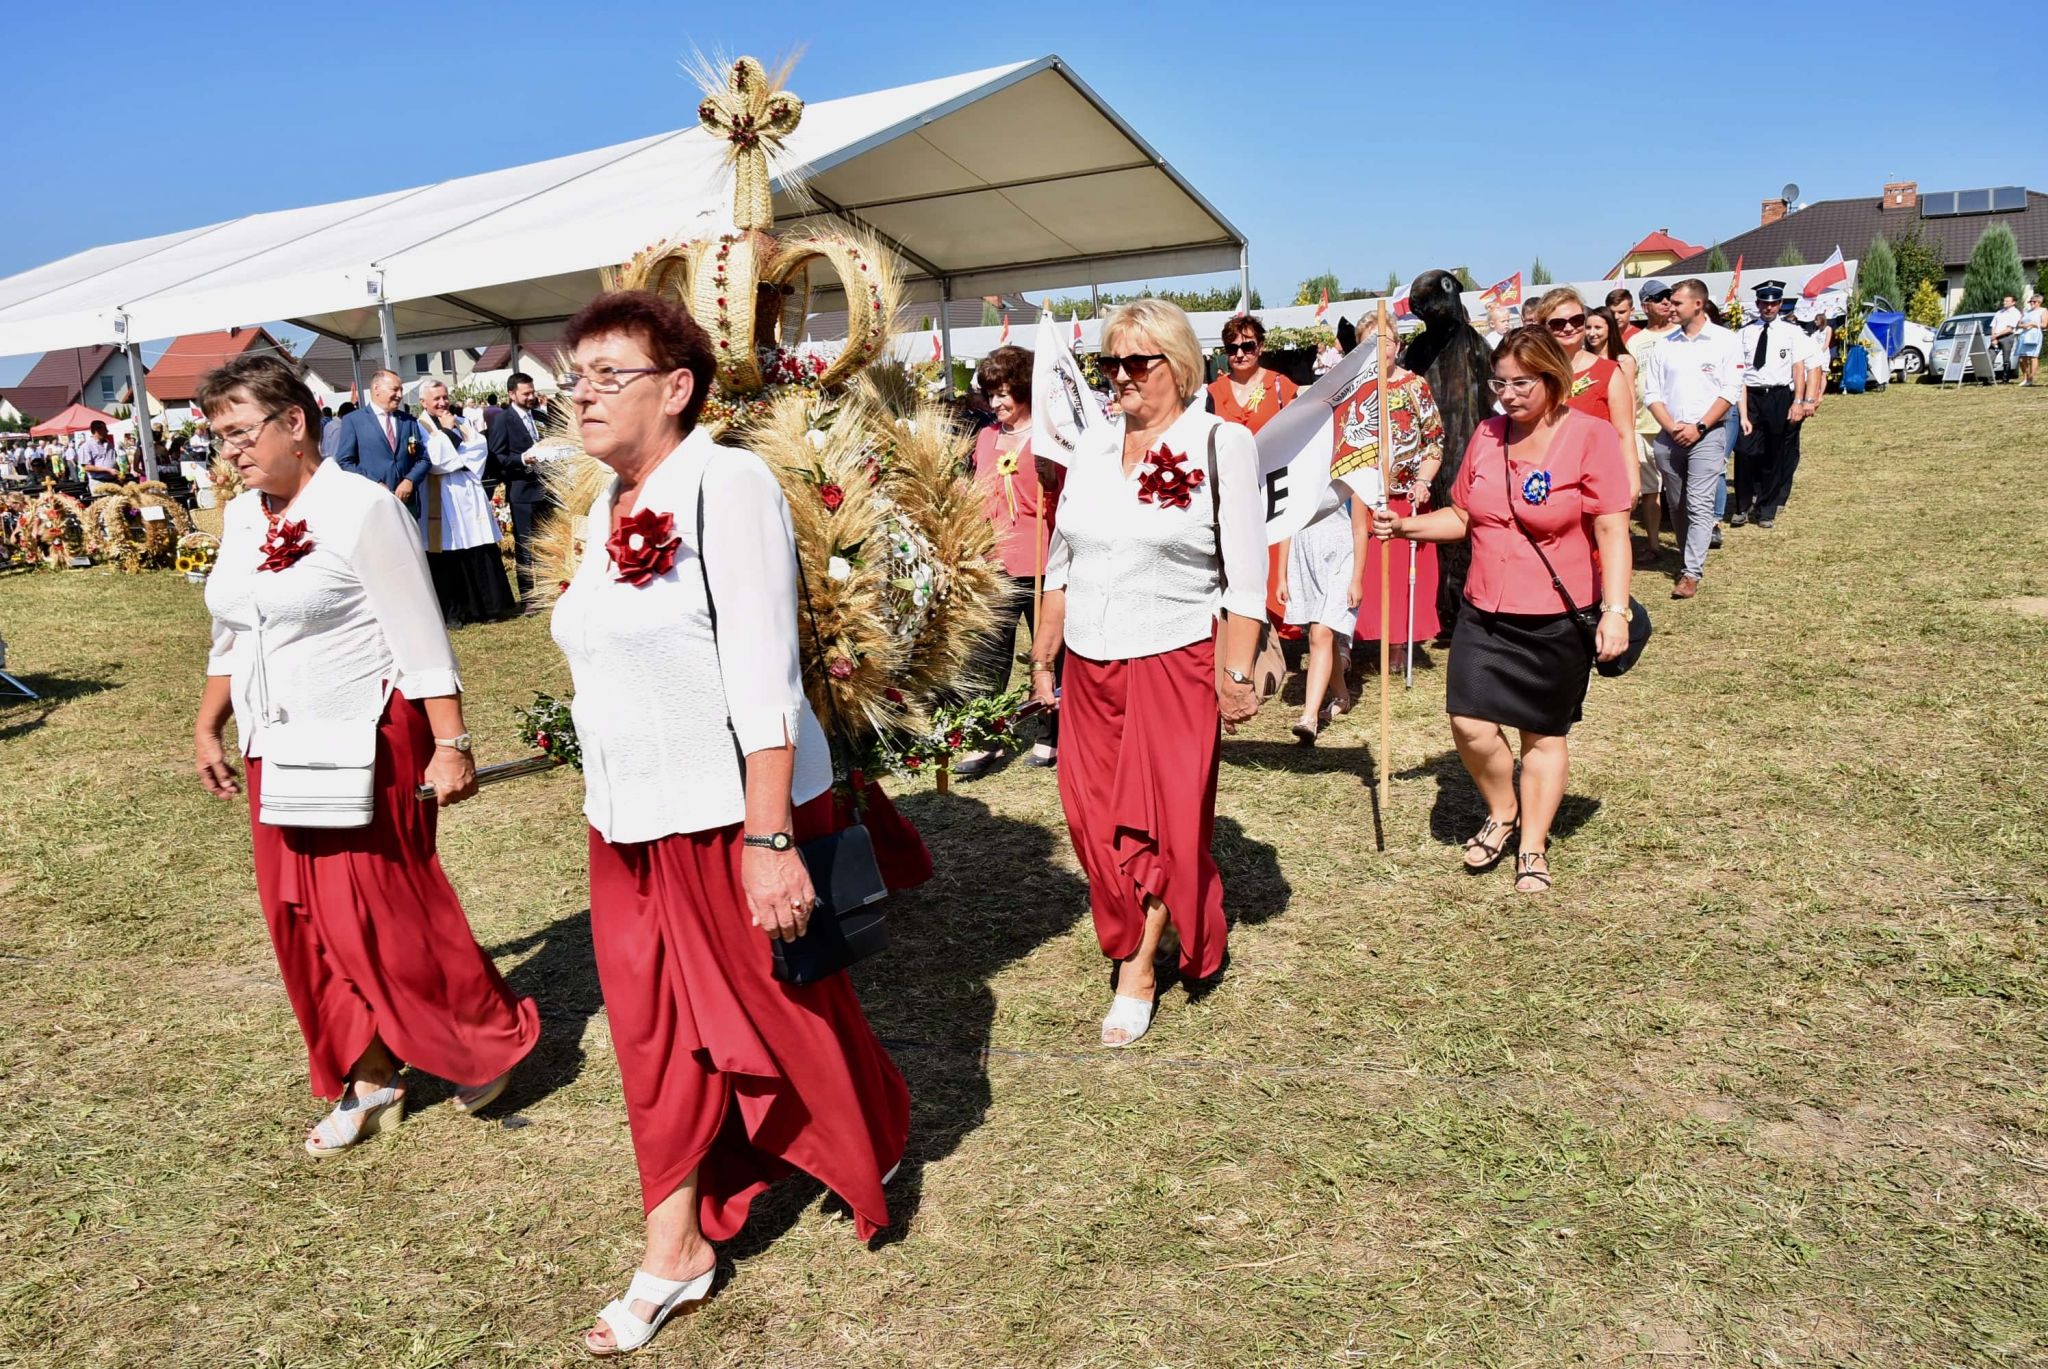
(1166, 484)
(643, 546)
(285, 544)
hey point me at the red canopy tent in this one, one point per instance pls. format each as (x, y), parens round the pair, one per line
(75, 419)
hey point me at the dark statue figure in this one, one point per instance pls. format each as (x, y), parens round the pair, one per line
(1452, 356)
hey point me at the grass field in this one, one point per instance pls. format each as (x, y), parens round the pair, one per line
(1761, 1083)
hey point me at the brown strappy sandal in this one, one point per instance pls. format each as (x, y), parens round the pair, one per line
(1525, 868)
(1490, 852)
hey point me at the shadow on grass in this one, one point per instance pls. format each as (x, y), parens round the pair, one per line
(560, 975)
(23, 715)
(1457, 811)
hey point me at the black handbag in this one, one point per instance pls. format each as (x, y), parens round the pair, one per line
(845, 926)
(1588, 619)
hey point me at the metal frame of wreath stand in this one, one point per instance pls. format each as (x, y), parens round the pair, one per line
(15, 684)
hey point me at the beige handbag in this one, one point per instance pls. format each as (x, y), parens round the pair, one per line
(317, 772)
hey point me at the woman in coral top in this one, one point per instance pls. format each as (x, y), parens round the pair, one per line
(1539, 470)
(1249, 394)
(1600, 387)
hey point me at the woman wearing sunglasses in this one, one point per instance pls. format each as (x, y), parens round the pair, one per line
(1600, 388)
(1160, 530)
(1540, 474)
(1250, 394)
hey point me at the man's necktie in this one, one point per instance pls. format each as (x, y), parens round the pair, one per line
(1763, 340)
(391, 429)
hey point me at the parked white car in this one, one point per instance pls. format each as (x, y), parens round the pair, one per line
(1945, 341)
(1915, 349)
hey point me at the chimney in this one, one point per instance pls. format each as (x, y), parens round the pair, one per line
(1902, 195)
(1773, 211)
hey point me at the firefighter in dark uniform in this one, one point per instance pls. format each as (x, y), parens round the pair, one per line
(1773, 377)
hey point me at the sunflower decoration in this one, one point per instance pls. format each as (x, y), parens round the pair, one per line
(196, 554)
(139, 525)
(897, 578)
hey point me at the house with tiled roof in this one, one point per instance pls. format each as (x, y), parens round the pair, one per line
(1653, 254)
(174, 380)
(541, 360)
(1949, 221)
(96, 377)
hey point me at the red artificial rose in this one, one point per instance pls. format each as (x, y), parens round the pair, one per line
(1166, 484)
(832, 495)
(911, 763)
(840, 668)
(285, 544)
(643, 547)
(953, 739)
(894, 696)
(998, 727)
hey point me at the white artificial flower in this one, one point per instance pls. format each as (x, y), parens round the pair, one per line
(838, 567)
(816, 439)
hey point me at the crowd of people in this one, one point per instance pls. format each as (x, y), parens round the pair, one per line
(1140, 571)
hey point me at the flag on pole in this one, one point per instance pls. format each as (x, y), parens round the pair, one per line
(1077, 330)
(938, 353)
(1399, 304)
(1298, 446)
(1831, 273)
(1004, 340)
(1323, 305)
(1735, 284)
(1062, 407)
(1508, 291)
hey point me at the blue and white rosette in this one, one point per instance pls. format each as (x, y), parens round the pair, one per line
(1536, 487)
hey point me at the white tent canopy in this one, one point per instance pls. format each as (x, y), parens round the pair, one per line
(1016, 178)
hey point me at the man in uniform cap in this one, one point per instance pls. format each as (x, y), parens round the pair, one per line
(1773, 383)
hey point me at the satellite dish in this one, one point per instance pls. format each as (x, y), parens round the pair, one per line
(1790, 192)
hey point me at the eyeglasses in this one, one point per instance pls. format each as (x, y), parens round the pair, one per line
(1137, 367)
(1245, 348)
(243, 439)
(605, 379)
(1565, 323)
(1519, 385)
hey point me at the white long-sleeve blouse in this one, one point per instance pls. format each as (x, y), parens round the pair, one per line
(1142, 577)
(652, 693)
(355, 613)
(462, 517)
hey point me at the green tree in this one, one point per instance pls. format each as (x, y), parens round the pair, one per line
(1790, 256)
(990, 315)
(1879, 274)
(1539, 274)
(1717, 260)
(1312, 289)
(1465, 277)
(1925, 306)
(1393, 282)
(1918, 262)
(1994, 270)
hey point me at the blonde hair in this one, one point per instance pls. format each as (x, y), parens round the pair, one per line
(1165, 326)
(1551, 299)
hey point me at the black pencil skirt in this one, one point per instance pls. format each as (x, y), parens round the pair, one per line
(1520, 670)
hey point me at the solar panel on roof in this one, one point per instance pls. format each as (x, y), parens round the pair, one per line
(1938, 204)
(1973, 201)
(2007, 197)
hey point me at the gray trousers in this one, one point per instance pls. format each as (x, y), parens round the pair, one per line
(1691, 475)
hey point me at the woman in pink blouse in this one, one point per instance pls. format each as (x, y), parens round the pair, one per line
(323, 612)
(1161, 531)
(703, 771)
(1542, 471)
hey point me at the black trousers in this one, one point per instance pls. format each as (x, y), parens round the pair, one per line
(995, 657)
(1764, 453)
(526, 519)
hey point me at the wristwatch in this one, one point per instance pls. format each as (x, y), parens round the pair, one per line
(778, 841)
(1627, 612)
(460, 743)
(1237, 676)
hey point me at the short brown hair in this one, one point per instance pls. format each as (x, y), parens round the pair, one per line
(1547, 305)
(1237, 325)
(1620, 298)
(665, 331)
(1693, 286)
(1535, 351)
(264, 380)
(1006, 368)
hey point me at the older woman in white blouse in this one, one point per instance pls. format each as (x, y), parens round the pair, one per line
(322, 613)
(1160, 530)
(456, 523)
(703, 768)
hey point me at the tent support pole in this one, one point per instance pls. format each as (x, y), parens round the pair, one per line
(946, 331)
(145, 441)
(355, 361)
(387, 329)
(1244, 277)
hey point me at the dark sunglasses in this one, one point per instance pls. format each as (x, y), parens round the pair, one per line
(1565, 324)
(1136, 367)
(1657, 298)
(1245, 348)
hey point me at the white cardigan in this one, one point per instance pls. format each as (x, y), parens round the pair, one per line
(355, 612)
(652, 695)
(1141, 579)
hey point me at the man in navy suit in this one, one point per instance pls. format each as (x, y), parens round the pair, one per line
(383, 443)
(510, 436)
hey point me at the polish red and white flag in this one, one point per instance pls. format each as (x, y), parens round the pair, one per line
(1831, 274)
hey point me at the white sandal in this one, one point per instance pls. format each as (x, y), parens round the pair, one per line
(629, 1333)
(476, 1099)
(356, 1119)
(1132, 1016)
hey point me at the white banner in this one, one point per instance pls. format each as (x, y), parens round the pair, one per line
(1063, 408)
(1298, 445)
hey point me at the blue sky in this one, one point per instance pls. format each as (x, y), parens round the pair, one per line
(1357, 137)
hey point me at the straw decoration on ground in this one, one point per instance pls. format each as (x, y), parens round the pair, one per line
(129, 537)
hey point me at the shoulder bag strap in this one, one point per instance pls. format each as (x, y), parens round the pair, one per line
(1508, 479)
(1216, 511)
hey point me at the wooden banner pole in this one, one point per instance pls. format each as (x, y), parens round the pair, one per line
(1385, 437)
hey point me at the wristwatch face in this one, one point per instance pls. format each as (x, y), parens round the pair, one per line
(1237, 676)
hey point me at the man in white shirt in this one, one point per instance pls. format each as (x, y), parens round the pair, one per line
(1694, 377)
(1773, 351)
(2005, 331)
(1656, 298)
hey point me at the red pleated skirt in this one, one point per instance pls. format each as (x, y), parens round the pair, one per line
(728, 1071)
(1424, 624)
(1139, 752)
(371, 939)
